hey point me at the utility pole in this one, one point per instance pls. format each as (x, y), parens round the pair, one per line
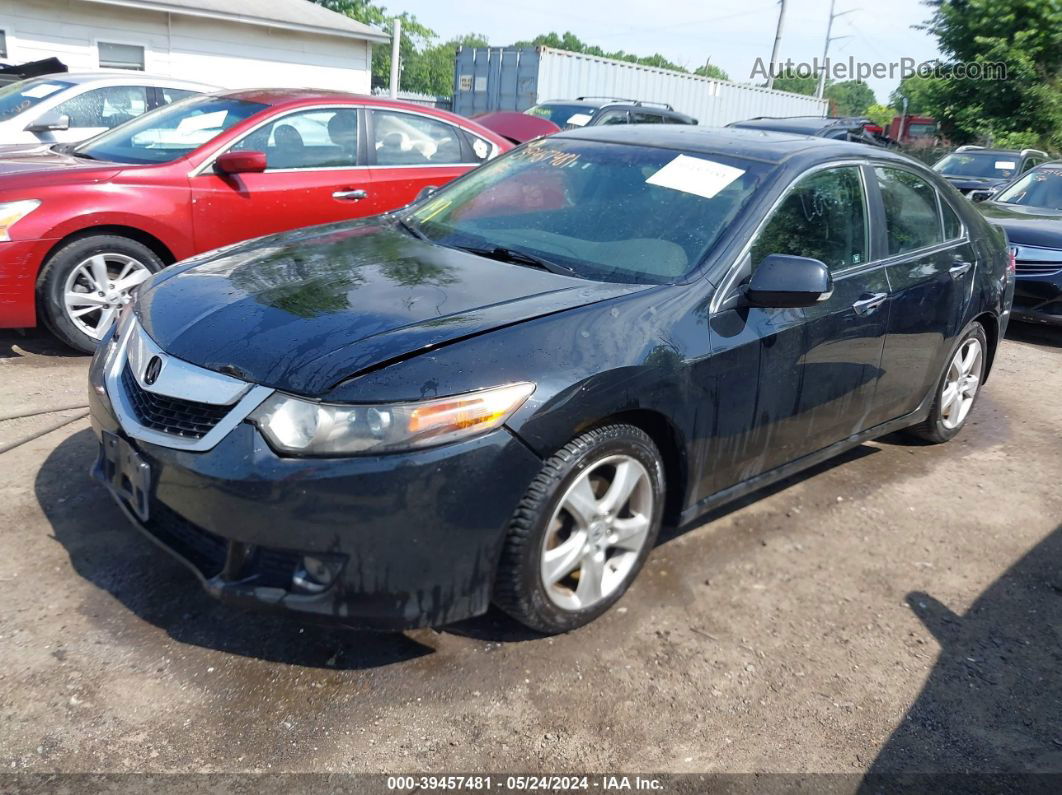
(826, 47)
(777, 44)
(396, 54)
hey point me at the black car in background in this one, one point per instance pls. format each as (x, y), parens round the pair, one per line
(837, 128)
(975, 168)
(502, 392)
(591, 111)
(1029, 209)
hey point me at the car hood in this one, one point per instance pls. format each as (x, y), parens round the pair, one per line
(38, 163)
(1031, 226)
(306, 310)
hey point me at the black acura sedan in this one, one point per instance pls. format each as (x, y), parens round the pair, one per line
(501, 392)
(1029, 210)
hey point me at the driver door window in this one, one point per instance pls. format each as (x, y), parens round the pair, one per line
(311, 139)
(823, 217)
(102, 109)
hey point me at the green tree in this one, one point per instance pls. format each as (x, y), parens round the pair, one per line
(790, 81)
(711, 70)
(1025, 36)
(415, 36)
(850, 98)
(881, 115)
(918, 90)
(572, 43)
(431, 71)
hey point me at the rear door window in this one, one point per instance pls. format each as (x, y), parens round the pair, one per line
(640, 117)
(407, 139)
(952, 224)
(912, 218)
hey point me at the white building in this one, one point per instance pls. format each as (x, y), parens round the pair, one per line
(231, 43)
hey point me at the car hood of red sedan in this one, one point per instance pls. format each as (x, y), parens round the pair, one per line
(305, 310)
(33, 165)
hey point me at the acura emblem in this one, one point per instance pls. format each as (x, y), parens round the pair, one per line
(151, 372)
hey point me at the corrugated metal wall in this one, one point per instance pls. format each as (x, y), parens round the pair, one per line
(505, 78)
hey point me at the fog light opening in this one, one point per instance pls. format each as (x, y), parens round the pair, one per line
(315, 575)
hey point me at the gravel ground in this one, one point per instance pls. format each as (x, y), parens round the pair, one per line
(899, 608)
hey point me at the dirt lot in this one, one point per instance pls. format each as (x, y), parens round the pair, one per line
(899, 608)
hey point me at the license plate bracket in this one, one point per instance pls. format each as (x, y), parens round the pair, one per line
(126, 473)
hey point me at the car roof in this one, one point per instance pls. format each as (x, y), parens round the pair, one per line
(763, 145)
(123, 76)
(797, 124)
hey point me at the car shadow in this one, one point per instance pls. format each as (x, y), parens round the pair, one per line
(992, 702)
(33, 342)
(112, 555)
(1035, 334)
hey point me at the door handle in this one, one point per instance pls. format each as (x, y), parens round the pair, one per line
(864, 306)
(959, 268)
(350, 195)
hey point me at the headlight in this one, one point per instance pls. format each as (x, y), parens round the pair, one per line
(302, 427)
(13, 212)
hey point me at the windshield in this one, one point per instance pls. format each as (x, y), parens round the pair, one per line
(608, 212)
(23, 95)
(1041, 187)
(169, 132)
(561, 114)
(978, 164)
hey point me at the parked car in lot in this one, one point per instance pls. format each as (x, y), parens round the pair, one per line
(975, 168)
(592, 111)
(1029, 210)
(838, 128)
(72, 107)
(85, 225)
(504, 390)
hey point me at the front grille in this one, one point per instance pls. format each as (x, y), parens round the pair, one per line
(1037, 268)
(186, 418)
(273, 568)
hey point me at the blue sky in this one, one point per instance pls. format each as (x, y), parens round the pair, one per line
(732, 33)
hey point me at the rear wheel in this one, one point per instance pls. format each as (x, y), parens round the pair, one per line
(958, 388)
(84, 285)
(583, 530)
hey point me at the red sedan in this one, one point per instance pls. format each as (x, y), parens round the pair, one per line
(81, 226)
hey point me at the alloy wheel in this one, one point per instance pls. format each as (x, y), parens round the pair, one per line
(597, 532)
(961, 384)
(98, 287)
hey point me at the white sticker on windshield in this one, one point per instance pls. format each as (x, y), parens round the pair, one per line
(204, 121)
(695, 175)
(41, 91)
(578, 119)
(1004, 165)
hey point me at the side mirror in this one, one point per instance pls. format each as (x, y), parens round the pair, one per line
(241, 163)
(784, 281)
(49, 122)
(982, 195)
(426, 191)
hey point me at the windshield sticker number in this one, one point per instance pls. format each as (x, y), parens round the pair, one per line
(550, 157)
(41, 91)
(1004, 165)
(695, 175)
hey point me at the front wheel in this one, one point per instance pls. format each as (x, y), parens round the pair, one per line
(583, 530)
(84, 285)
(958, 388)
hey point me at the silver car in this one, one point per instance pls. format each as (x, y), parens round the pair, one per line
(72, 107)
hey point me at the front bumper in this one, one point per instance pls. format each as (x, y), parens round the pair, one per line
(1038, 299)
(419, 534)
(20, 261)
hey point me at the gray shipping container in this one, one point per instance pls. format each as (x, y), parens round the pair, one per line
(509, 78)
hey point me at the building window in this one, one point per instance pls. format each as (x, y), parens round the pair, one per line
(121, 56)
(3, 44)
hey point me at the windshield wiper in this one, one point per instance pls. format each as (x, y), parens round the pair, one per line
(517, 257)
(411, 226)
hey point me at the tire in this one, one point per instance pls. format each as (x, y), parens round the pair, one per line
(74, 270)
(607, 547)
(942, 425)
